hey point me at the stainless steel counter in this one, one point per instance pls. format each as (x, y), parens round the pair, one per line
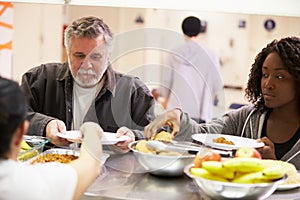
(124, 178)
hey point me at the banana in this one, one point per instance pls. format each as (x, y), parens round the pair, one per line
(216, 168)
(273, 173)
(28, 155)
(24, 145)
(240, 164)
(203, 173)
(249, 178)
(240, 170)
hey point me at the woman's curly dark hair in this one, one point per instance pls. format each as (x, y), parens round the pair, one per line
(289, 51)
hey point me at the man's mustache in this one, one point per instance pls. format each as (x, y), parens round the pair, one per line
(86, 72)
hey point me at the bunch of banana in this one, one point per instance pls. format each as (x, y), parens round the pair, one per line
(239, 170)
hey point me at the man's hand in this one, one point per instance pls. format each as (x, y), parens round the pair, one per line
(52, 128)
(123, 146)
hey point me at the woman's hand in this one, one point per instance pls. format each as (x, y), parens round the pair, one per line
(170, 118)
(92, 140)
(267, 151)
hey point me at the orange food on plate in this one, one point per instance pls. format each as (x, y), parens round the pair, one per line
(62, 158)
(222, 140)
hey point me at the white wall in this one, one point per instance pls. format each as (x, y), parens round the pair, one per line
(38, 38)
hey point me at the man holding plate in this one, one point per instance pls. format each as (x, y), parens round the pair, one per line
(62, 96)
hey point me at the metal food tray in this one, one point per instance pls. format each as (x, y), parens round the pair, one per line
(68, 152)
(60, 151)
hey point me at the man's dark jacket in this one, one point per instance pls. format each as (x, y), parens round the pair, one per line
(123, 101)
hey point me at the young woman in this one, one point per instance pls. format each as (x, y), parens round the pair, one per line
(273, 89)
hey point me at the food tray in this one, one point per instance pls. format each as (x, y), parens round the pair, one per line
(68, 152)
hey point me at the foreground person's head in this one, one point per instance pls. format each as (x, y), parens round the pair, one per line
(12, 118)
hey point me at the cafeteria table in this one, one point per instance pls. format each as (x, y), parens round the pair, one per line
(124, 178)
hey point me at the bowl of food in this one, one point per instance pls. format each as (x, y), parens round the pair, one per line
(255, 182)
(162, 163)
(31, 146)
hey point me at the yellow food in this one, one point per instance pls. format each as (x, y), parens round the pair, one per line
(243, 170)
(26, 156)
(273, 172)
(216, 167)
(250, 178)
(240, 164)
(268, 174)
(164, 136)
(25, 145)
(288, 168)
(203, 173)
(141, 147)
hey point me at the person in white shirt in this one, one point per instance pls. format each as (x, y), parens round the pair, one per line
(41, 181)
(193, 78)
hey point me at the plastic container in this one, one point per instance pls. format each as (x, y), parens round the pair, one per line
(36, 143)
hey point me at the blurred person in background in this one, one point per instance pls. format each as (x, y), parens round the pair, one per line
(61, 96)
(193, 78)
(48, 180)
(273, 88)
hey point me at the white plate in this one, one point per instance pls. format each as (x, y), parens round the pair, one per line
(288, 186)
(108, 138)
(72, 136)
(207, 139)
